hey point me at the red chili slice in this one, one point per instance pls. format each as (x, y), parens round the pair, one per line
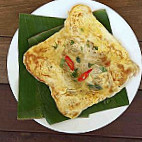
(84, 75)
(69, 62)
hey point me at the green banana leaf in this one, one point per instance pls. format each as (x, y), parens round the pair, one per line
(35, 100)
(102, 17)
(43, 36)
(29, 98)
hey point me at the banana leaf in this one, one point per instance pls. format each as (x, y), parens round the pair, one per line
(43, 36)
(35, 100)
(29, 98)
(102, 17)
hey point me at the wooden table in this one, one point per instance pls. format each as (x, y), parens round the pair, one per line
(128, 127)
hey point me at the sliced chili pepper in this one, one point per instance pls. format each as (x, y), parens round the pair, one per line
(84, 75)
(69, 62)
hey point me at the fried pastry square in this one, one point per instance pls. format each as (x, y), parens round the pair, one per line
(82, 64)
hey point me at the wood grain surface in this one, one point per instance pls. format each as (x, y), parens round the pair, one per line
(128, 127)
(131, 10)
(41, 137)
(4, 46)
(123, 127)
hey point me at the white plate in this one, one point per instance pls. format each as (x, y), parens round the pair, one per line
(121, 31)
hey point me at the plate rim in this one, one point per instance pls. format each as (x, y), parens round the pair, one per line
(38, 120)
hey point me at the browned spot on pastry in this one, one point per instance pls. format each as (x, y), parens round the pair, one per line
(100, 36)
(29, 58)
(120, 66)
(40, 79)
(104, 59)
(110, 90)
(45, 75)
(55, 96)
(75, 114)
(79, 14)
(128, 71)
(107, 63)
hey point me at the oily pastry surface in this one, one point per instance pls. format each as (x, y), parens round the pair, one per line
(89, 46)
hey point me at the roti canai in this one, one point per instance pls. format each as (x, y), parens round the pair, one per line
(82, 64)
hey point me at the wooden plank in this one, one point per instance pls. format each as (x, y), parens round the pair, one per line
(9, 13)
(36, 137)
(9, 10)
(41, 137)
(129, 125)
(4, 46)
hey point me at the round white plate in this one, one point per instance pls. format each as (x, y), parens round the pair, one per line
(121, 30)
